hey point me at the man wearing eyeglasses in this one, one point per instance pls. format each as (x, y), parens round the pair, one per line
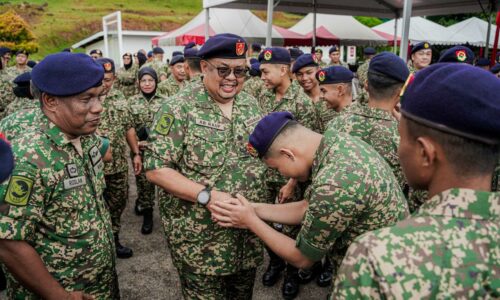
(197, 156)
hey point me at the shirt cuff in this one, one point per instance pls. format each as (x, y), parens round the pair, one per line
(308, 250)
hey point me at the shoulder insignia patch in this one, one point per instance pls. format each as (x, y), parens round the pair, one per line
(165, 123)
(19, 190)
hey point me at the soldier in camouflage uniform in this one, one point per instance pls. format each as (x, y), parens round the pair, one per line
(334, 54)
(115, 124)
(192, 66)
(352, 191)
(6, 94)
(449, 248)
(374, 122)
(362, 71)
(53, 219)
(5, 54)
(126, 77)
(24, 98)
(157, 64)
(335, 85)
(198, 156)
(421, 56)
(142, 108)
(319, 58)
(175, 82)
(254, 84)
(21, 65)
(281, 94)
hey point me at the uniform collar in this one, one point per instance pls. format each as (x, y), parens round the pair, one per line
(53, 132)
(370, 112)
(463, 203)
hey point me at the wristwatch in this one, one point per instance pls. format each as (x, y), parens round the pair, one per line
(204, 196)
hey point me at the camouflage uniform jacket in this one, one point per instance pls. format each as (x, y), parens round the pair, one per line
(142, 110)
(20, 104)
(6, 94)
(53, 201)
(12, 72)
(376, 127)
(325, 114)
(254, 86)
(115, 121)
(191, 135)
(296, 102)
(352, 191)
(341, 63)
(126, 81)
(363, 73)
(19, 122)
(159, 67)
(169, 87)
(447, 250)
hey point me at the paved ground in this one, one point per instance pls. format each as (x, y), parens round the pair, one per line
(151, 275)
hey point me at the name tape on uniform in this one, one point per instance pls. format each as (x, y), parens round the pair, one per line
(210, 124)
(74, 182)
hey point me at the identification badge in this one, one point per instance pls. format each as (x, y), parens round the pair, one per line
(210, 124)
(252, 121)
(164, 124)
(74, 182)
(72, 170)
(95, 155)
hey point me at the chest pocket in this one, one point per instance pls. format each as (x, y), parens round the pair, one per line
(206, 150)
(69, 210)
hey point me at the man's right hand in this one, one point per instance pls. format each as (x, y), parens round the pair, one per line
(217, 196)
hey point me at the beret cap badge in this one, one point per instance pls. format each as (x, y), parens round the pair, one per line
(461, 55)
(251, 150)
(321, 75)
(268, 55)
(240, 48)
(107, 67)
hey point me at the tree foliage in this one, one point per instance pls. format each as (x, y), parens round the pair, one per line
(16, 34)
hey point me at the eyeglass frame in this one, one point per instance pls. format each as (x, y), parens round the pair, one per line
(232, 70)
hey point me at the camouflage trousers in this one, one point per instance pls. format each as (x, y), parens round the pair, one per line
(116, 195)
(145, 192)
(238, 286)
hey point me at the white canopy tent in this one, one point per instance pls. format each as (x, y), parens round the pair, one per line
(422, 29)
(475, 30)
(378, 8)
(346, 29)
(236, 21)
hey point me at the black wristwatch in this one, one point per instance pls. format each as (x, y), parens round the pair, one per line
(204, 196)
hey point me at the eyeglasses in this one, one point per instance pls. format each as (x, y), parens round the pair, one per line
(239, 72)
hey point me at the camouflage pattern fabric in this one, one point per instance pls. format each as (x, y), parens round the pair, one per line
(448, 250)
(160, 68)
(352, 191)
(238, 286)
(21, 104)
(362, 97)
(6, 94)
(53, 201)
(21, 121)
(363, 73)
(116, 195)
(169, 87)
(340, 63)
(254, 86)
(325, 115)
(191, 135)
(145, 191)
(126, 81)
(12, 72)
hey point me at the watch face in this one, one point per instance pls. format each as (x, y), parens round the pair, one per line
(203, 197)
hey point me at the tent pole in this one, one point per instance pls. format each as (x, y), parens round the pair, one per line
(406, 29)
(314, 24)
(395, 48)
(270, 9)
(207, 24)
(488, 33)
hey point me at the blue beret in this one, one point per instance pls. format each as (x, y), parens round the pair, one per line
(334, 74)
(295, 53)
(96, 51)
(420, 46)
(253, 60)
(266, 132)
(495, 69)
(23, 79)
(191, 53)
(7, 159)
(158, 50)
(455, 98)
(175, 53)
(255, 69)
(67, 74)
(457, 54)
(147, 71)
(389, 65)
(150, 53)
(334, 48)
(305, 60)
(190, 45)
(107, 64)
(482, 62)
(31, 63)
(256, 47)
(275, 55)
(369, 51)
(224, 45)
(176, 59)
(4, 50)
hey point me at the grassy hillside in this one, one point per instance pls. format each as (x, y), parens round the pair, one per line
(58, 24)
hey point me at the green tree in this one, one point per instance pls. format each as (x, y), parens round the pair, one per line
(16, 34)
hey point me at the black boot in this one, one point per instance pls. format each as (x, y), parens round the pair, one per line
(137, 209)
(273, 272)
(325, 277)
(147, 224)
(290, 288)
(308, 275)
(122, 251)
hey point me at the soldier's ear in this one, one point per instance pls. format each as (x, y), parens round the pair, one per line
(204, 66)
(49, 102)
(288, 153)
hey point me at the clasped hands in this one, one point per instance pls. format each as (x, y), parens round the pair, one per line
(228, 211)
